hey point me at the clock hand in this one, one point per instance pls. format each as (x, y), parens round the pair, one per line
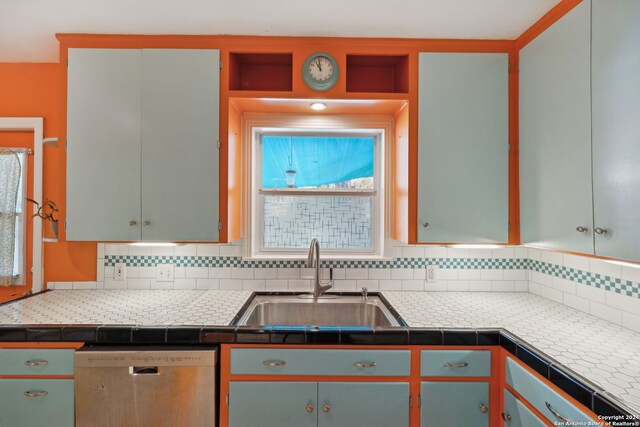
(318, 64)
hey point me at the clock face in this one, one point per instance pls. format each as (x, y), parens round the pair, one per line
(320, 71)
(321, 68)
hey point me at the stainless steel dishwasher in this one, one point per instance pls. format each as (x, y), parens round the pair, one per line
(121, 387)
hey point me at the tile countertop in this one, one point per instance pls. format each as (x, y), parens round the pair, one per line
(600, 352)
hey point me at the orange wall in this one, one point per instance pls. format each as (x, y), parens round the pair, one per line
(33, 90)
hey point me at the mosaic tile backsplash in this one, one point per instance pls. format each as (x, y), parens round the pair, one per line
(608, 291)
(337, 222)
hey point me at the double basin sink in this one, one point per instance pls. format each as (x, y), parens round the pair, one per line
(327, 310)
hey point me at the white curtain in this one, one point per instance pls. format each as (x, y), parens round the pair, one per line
(9, 184)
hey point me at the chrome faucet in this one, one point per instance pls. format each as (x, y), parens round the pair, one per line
(314, 252)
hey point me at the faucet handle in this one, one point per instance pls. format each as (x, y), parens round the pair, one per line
(365, 291)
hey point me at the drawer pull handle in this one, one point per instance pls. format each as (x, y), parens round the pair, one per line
(483, 408)
(36, 393)
(36, 362)
(556, 414)
(364, 364)
(274, 363)
(456, 365)
(309, 407)
(506, 417)
(326, 408)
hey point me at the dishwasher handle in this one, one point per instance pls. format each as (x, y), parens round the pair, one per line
(143, 370)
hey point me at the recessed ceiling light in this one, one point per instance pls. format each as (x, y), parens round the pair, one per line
(318, 106)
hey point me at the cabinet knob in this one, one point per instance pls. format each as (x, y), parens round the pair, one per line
(506, 417)
(426, 225)
(133, 223)
(581, 229)
(483, 408)
(326, 408)
(601, 231)
(310, 408)
(146, 223)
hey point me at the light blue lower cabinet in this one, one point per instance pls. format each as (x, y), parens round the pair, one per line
(454, 404)
(357, 404)
(36, 402)
(517, 415)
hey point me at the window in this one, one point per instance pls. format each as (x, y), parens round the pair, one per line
(13, 205)
(317, 184)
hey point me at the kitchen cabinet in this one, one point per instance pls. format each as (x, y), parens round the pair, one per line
(555, 135)
(463, 147)
(454, 404)
(516, 414)
(616, 128)
(142, 144)
(340, 404)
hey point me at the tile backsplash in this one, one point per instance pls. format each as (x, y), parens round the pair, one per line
(602, 289)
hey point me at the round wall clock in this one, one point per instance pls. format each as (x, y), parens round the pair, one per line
(320, 71)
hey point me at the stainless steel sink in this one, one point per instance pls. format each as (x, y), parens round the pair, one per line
(279, 310)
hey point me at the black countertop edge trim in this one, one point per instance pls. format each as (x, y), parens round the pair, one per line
(24, 297)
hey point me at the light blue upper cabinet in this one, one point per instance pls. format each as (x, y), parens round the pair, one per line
(555, 135)
(104, 104)
(463, 147)
(616, 127)
(180, 92)
(142, 144)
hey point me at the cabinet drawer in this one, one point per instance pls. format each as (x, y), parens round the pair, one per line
(455, 363)
(517, 415)
(36, 362)
(320, 362)
(550, 403)
(36, 402)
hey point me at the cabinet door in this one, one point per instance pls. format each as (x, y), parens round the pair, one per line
(103, 144)
(180, 92)
(517, 415)
(363, 404)
(36, 402)
(463, 147)
(555, 135)
(273, 404)
(616, 127)
(454, 404)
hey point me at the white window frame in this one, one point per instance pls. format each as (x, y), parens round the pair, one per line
(21, 224)
(255, 125)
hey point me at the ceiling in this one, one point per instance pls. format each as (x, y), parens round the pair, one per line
(28, 27)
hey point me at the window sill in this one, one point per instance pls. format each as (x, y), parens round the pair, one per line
(323, 257)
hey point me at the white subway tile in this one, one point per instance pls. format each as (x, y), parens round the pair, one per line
(631, 273)
(413, 252)
(116, 249)
(231, 284)
(344, 285)
(534, 288)
(357, 273)
(419, 273)
(551, 257)
(230, 250)
(253, 285)
(505, 252)
(469, 274)
(208, 250)
(397, 252)
(220, 272)
(109, 272)
(380, 273)
(338, 274)
(605, 312)
(522, 285)
(288, 273)
(185, 250)
(139, 250)
(447, 274)
(85, 285)
(491, 274)
(413, 285)
(241, 273)
(543, 279)
(622, 302)
(371, 285)
(184, 284)
(575, 261)
(161, 250)
(564, 285)
(550, 293)
(110, 283)
(101, 251)
(521, 252)
(132, 272)
(480, 253)
(438, 286)
(100, 285)
(100, 271)
(631, 321)
(198, 272)
(604, 268)
(207, 283)
(154, 284)
(435, 251)
(390, 285)
(574, 301)
(591, 293)
(457, 253)
(503, 286)
(276, 285)
(479, 285)
(535, 254)
(307, 273)
(457, 285)
(515, 275)
(401, 273)
(265, 273)
(147, 272)
(299, 285)
(181, 272)
(138, 283)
